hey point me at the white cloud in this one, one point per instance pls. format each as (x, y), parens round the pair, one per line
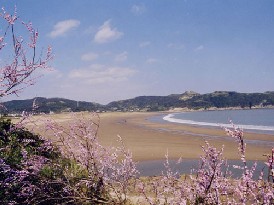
(89, 56)
(201, 47)
(106, 34)
(62, 27)
(144, 44)
(152, 60)
(103, 75)
(121, 57)
(138, 9)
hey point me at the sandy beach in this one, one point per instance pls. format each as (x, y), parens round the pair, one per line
(151, 140)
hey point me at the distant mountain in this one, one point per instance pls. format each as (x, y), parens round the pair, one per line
(224, 99)
(186, 95)
(46, 105)
(193, 100)
(189, 99)
(146, 103)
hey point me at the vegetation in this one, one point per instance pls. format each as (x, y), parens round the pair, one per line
(33, 171)
(190, 100)
(30, 167)
(82, 171)
(46, 105)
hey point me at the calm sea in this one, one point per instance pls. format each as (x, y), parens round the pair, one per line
(156, 167)
(254, 120)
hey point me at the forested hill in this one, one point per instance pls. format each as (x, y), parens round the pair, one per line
(189, 99)
(192, 100)
(46, 105)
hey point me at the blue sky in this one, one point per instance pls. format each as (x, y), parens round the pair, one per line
(113, 50)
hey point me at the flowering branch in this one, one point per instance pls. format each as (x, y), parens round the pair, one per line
(109, 169)
(16, 74)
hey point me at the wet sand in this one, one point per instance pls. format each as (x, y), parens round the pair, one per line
(152, 140)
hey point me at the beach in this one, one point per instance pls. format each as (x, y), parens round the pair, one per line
(149, 140)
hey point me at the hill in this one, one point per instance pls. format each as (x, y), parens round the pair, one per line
(46, 105)
(193, 100)
(189, 100)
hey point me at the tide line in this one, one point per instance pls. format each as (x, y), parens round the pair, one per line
(171, 118)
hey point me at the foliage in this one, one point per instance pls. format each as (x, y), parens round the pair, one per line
(109, 169)
(211, 183)
(82, 171)
(21, 60)
(219, 99)
(146, 103)
(33, 171)
(45, 105)
(22, 156)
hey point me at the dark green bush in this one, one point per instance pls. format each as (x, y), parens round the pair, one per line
(32, 171)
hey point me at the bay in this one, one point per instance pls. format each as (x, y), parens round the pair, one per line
(254, 120)
(190, 166)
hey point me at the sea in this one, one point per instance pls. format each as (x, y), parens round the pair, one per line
(253, 120)
(190, 166)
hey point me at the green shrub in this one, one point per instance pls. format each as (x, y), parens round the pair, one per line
(32, 171)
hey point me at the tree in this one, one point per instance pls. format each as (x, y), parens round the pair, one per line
(22, 59)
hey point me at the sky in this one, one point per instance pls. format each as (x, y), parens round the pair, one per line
(115, 50)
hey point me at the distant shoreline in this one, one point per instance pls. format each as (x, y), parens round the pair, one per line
(217, 109)
(261, 127)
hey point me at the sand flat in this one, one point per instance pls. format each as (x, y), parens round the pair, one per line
(152, 140)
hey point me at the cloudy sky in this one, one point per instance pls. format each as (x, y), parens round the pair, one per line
(113, 50)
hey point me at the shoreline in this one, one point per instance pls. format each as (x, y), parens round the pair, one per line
(185, 109)
(249, 128)
(151, 140)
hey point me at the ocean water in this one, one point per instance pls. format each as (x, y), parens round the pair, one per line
(188, 166)
(254, 120)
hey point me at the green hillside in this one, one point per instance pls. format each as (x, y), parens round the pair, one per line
(192, 100)
(189, 99)
(46, 105)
